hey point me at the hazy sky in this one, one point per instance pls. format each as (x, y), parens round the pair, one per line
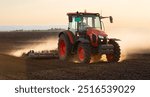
(46, 12)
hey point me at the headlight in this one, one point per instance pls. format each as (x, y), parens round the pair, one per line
(101, 37)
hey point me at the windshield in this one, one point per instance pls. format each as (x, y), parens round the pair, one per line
(90, 21)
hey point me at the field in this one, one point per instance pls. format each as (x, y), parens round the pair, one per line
(135, 67)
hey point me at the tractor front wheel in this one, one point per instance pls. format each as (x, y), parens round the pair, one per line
(116, 54)
(84, 53)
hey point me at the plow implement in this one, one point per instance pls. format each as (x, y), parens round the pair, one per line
(41, 54)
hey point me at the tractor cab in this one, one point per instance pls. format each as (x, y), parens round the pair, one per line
(81, 22)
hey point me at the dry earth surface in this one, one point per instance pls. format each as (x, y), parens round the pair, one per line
(135, 67)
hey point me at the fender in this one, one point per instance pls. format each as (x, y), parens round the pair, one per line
(69, 35)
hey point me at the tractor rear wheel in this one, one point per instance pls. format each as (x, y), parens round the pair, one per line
(116, 54)
(84, 53)
(64, 48)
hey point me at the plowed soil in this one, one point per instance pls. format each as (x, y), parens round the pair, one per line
(135, 67)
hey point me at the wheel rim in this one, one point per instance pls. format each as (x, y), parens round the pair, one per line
(62, 48)
(81, 53)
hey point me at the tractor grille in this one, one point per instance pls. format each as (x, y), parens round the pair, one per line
(106, 49)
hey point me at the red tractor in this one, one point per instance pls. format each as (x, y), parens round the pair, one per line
(85, 38)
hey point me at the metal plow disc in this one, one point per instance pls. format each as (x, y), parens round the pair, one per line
(41, 54)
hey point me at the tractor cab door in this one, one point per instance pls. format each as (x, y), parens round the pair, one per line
(72, 25)
(76, 25)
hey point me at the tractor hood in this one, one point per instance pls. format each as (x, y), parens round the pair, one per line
(95, 31)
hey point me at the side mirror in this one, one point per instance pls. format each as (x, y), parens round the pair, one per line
(111, 19)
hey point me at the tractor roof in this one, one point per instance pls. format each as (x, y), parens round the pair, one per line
(81, 13)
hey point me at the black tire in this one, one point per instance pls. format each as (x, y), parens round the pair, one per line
(66, 55)
(86, 53)
(115, 57)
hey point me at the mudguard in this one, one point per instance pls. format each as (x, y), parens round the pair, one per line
(69, 35)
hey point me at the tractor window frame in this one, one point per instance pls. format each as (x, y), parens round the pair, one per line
(95, 24)
(95, 21)
(72, 24)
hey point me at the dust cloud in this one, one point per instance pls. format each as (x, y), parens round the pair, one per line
(132, 41)
(37, 45)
